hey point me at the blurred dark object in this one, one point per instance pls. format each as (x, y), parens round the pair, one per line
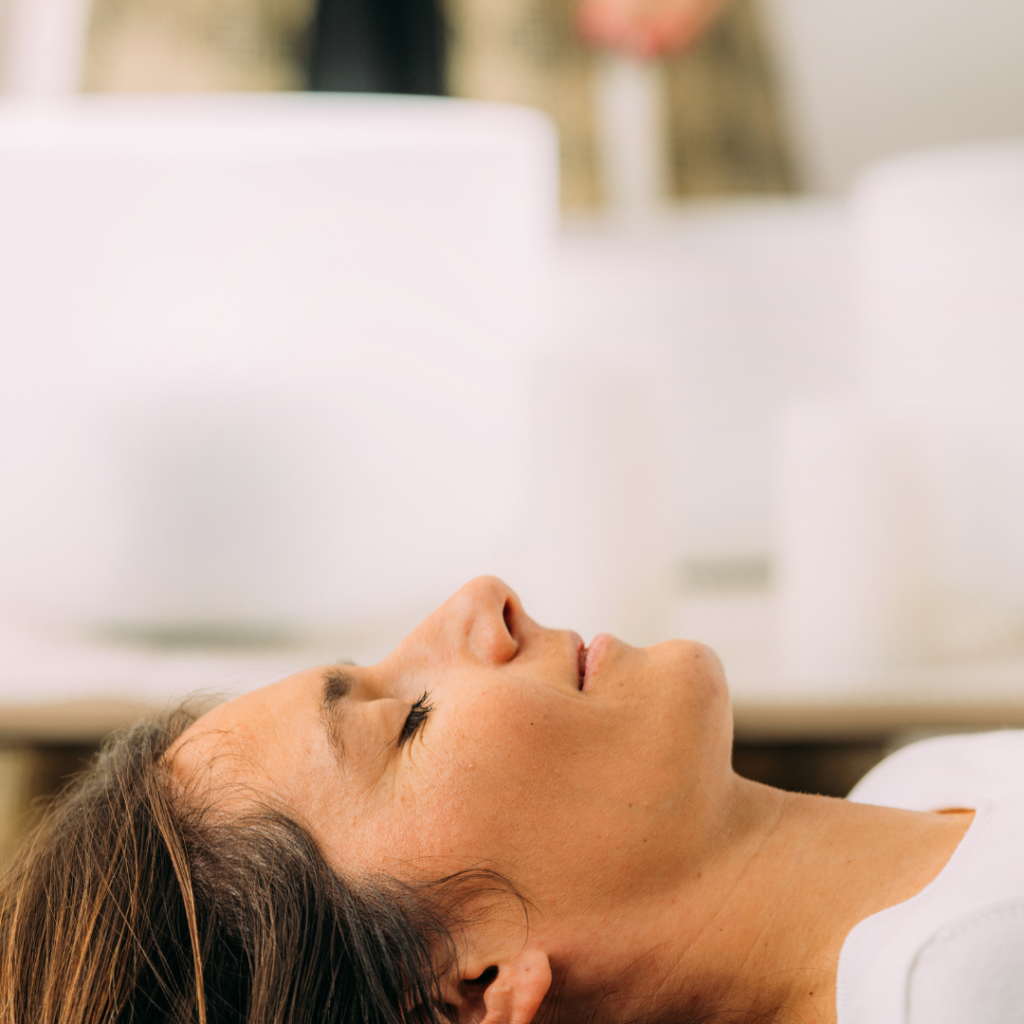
(52, 767)
(828, 769)
(390, 46)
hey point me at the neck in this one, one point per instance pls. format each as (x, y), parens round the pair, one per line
(759, 928)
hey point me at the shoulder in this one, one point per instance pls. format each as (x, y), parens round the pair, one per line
(954, 952)
(948, 771)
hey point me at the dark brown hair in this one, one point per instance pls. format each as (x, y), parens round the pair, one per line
(130, 902)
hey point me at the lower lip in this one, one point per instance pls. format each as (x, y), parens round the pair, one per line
(595, 656)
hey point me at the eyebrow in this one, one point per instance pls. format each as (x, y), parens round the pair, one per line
(337, 685)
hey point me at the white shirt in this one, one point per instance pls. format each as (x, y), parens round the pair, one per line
(954, 953)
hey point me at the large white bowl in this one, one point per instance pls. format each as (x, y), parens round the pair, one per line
(258, 355)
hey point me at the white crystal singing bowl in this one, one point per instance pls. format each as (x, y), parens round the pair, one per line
(262, 356)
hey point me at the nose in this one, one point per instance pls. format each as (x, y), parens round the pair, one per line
(487, 620)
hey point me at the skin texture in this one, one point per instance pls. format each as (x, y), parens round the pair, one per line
(657, 878)
(646, 28)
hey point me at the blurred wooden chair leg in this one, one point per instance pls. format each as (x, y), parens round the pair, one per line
(15, 795)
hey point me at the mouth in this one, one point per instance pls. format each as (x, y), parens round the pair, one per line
(581, 657)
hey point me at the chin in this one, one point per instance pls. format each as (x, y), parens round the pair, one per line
(697, 667)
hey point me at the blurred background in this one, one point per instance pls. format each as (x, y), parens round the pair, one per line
(687, 318)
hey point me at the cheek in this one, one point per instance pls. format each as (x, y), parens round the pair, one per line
(507, 776)
(545, 773)
(488, 777)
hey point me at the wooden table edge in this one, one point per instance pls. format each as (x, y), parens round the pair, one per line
(89, 720)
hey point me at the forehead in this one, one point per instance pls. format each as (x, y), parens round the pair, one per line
(258, 741)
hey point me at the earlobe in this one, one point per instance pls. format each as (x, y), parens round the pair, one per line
(514, 994)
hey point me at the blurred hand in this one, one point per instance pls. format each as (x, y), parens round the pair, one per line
(645, 28)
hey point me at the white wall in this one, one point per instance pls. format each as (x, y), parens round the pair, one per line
(867, 78)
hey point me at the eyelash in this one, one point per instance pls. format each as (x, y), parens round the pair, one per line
(418, 714)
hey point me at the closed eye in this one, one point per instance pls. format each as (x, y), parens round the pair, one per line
(418, 714)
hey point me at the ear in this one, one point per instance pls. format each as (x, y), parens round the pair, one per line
(511, 996)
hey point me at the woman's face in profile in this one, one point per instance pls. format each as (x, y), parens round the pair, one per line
(484, 740)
